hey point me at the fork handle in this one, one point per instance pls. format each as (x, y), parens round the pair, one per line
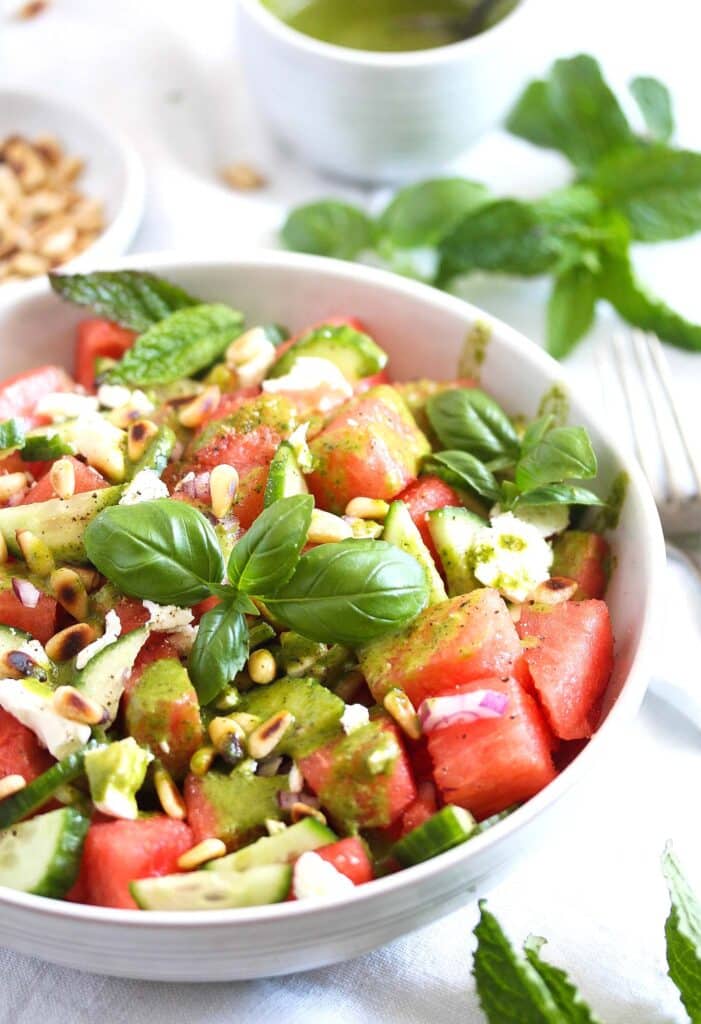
(690, 557)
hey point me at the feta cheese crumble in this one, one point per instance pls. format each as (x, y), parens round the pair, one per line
(547, 519)
(316, 879)
(117, 396)
(31, 705)
(113, 629)
(65, 405)
(309, 373)
(300, 446)
(164, 618)
(511, 556)
(354, 716)
(146, 486)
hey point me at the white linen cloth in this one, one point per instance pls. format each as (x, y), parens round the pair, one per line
(166, 72)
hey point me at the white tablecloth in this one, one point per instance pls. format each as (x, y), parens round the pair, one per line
(166, 72)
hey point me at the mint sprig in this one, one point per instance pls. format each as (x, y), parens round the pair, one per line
(683, 934)
(131, 298)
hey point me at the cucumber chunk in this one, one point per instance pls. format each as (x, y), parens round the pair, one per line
(285, 478)
(207, 890)
(447, 828)
(60, 524)
(281, 848)
(42, 856)
(401, 530)
(317, 712)
(452, 531)
(16, 807)
(156, 455)
(104, 676)
(354, 353)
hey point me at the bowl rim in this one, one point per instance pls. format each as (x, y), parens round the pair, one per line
(392, 60)
(624, 708)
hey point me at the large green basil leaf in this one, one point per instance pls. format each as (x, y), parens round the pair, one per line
(557, 494)
(267, 554)
(220, 650)
(163, 551)
(352, 592)
(128, 297)
(462, 470)
(562, 453)
(184, 343)
(471, 421)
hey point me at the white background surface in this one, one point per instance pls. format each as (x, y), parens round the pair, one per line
(166, 73)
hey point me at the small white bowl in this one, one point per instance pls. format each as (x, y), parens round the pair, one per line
(423, 330)
(113, 173)
(382, 116)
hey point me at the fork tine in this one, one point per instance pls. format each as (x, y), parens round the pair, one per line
(625, 379)
(650, 385)
(657, 357)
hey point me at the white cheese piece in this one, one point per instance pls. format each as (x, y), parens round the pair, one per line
(164, 618)
(316, 879)
(113, 629)
(111, 396)
(300, 446)
(511, 556)
(354, 716)
(251, 373)
(309, 373)
(146, 486)
(65, 405)
(31, 705)
(184, 638)
(547, 519)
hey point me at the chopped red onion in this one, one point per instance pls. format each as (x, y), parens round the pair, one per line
(461, 708)
(287, 800)
(196, 487)
(26, 592)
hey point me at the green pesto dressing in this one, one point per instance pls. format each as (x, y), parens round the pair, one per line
(556, 403)
(474, 350)
(355, 790)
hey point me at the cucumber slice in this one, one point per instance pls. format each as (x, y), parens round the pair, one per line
(285, 477)
(60, 524)
(37, 664)
(207, 890)
(30, 799)
(354, 353)
(447, 828)
(42, 856)
(401, 530)
(281, 848)
(104, 676)
(452, 531)
(156, 455)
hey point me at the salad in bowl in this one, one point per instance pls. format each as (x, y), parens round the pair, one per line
(275, 620)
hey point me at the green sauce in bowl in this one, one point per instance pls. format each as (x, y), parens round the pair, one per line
(390, 25)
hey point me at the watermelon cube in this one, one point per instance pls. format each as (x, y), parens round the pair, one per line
(20, 750)
(86, 479)
(584, 557)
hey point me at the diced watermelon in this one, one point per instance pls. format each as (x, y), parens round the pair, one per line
(19, 394)
(232, 807)
(14, 463)
(571, 663)
(367, 383)
(229, 403)
(372, 447)
(447, 645)
(158, 645)
(419, 811)
(162, 713)
(98, 338)
(86, 479)
(119, 852)
(488, 765)
(583, 557)
(344, 776)
(202, 607)
(131, 614)
(350, 857)
(422, 497)
(39, 621)
(20, 750)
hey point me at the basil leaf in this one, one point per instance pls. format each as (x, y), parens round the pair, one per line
(471, 421)
(460, 469)
(570, 309)
(683, 934)
(328, 228)
(267, 554)
(128, 297)
(536, 431)
(45, 448)
(422, 214)
(557, 494)
(163, 551)
(562, 453)
(351, 593)
(184, 343)
(219, 652)
(11, 434)
(656, 107)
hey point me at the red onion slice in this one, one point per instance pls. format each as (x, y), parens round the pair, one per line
(26, 592)
(287, 800)
(461, 708)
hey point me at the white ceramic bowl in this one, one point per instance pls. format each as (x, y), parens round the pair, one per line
(113, 171)
(423, 331)
(383, 116)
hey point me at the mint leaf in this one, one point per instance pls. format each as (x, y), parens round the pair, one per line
(184, 343)
(570, 205)
(571, 308)
(328, 228)
(463, 470)
(267, 554)
(45, 448)
(471, 421)
(562, 453)
(657, 189)
(11, 434)
(220, 650)
(533, 119)
(656, 107)
(683, 933)
(573, 1009)
(128, 297)
(420, 215)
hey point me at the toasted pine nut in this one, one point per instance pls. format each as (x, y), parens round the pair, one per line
(222, 731)
(367, 508)
(295, 779)
(263, 740)
(11, 784)
(364, 529)
(301, 810)
(168, 794)
(20, 665)
(69, 590)
(223, 482)
(4, 553)
(71, 703)
(194, 413)
(554, 591)
(262, 667)
(12, 484)
(326, 528)
(246, 347)
(274, 827)
(201, 761)
(208, 849)
(36, 553)
(62, 478)
(65, 644)
(247, 722)
(139, 436)
(90, 577)
(398, 705)
(228, 700)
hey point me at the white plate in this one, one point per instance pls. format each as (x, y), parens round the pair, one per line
(423, 331)
(113, 170)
